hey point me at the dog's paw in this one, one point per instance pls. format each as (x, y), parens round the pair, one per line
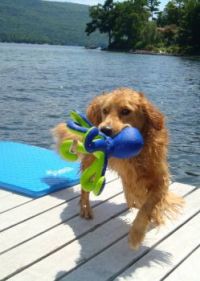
(86, 212)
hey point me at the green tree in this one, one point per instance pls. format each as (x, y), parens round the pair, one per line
(171, 14)
(131, 17)
(150, 36)
(129, 25)
(102, 19)
(122, 21)
(169, 20)
(189, 31)
(153, 7)
(180, 21)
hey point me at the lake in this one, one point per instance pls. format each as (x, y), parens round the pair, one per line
(40, 84)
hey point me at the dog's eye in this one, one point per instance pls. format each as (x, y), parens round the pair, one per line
(105, 111)
(125, 111)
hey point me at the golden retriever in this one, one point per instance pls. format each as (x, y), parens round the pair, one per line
(145, 177)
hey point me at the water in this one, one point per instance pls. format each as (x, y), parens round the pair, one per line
(39, 85)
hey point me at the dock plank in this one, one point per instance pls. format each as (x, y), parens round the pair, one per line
(41, 205)
(51, 218)
(68, 256)
(57, 237)
(4, 193)
(15, 200)
(166, 255)
(119, 256)
(188, 269)
(181, 188)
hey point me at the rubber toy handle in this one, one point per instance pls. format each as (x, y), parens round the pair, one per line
(76, 128)
(92, 178)
(66, 152)
(78, 123)
(92, 143)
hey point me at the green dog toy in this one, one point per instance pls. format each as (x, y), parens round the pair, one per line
(92, 178)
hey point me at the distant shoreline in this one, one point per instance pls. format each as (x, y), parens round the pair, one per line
(154, 53)
(146, 52)
(134, 52)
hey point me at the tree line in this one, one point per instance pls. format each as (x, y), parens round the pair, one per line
(138, 24)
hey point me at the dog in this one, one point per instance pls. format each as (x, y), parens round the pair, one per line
(146, 177)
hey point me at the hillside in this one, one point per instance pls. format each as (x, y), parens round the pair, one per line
(37, 21)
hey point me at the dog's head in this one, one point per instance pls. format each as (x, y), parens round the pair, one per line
(113, 111)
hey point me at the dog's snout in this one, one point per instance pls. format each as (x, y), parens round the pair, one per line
(107, 130)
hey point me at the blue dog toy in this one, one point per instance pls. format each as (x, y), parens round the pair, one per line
(126, 144)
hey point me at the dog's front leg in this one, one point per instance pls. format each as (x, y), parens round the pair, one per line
(85, 209)
(145, 216)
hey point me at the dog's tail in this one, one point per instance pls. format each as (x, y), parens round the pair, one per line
(173, 205)
(61, 133)
(169, 208)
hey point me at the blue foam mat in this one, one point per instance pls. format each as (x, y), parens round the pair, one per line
(34, 171)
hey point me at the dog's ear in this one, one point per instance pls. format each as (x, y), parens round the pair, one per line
(94, 111)
(154, 117)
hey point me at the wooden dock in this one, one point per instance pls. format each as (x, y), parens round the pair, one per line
(45, 239)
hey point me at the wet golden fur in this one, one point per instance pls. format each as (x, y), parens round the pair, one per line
(145, 178)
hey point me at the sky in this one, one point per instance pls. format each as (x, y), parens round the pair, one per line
(94, 2)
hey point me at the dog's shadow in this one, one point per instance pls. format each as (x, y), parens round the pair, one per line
(105, 235)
